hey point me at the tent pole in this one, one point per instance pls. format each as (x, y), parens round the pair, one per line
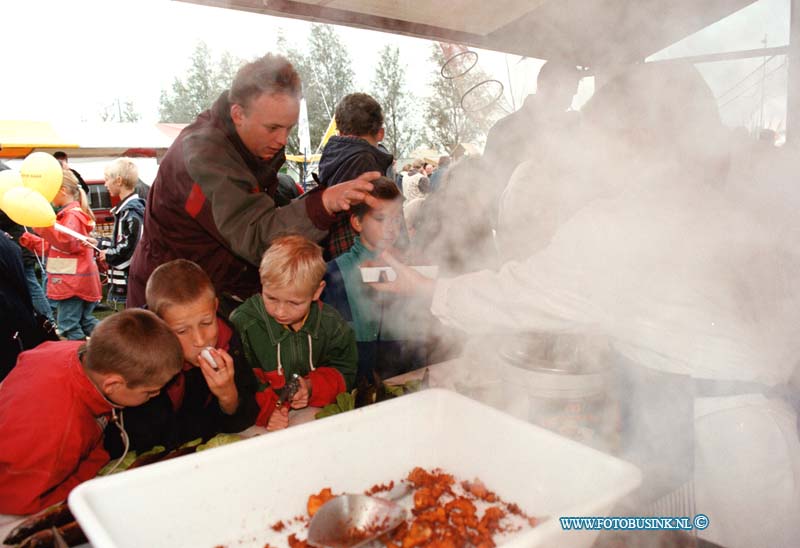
(793, 91)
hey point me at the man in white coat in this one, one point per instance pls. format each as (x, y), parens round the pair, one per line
(699, 294)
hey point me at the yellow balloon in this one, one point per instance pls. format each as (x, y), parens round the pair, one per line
(42, 173)
(8, 179)
(27, 207)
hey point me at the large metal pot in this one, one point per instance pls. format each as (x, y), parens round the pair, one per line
(561, 382)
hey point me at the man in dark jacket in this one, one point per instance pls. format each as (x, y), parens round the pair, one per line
(359, 120)
(35, 289)
(535, 131)
(18, 328)
(40, 302)
(213, 200)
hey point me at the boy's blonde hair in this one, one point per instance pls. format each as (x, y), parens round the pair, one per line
(292, 261)
(177, 282)
(125, 169)
(117, 347)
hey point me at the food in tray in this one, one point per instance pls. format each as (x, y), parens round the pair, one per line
(315, 502)
(38, 531)
(70, 535)
(54, 516)
(445, 512)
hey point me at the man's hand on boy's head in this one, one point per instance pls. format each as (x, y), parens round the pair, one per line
(279, 419)
(300, 399)
(343, 196)
(221, 380)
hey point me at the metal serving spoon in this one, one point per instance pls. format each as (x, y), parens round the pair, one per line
(348, 521)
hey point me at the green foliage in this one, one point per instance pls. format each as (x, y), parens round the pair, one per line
(448, 124)
(193, 443)
(218, 441)
(389, 87)
(199, 87)
(345, 401)
(129, 459)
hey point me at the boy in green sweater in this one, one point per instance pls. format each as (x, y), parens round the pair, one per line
(287, 330)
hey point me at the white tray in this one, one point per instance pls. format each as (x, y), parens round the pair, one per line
(371, 274)
(231, 495)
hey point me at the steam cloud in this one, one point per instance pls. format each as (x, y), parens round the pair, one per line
(655, 226)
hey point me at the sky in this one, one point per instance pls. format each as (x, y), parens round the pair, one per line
(67, 61)
(737, 84)
(93, 51)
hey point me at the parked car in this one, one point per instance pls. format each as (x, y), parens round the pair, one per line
(101, 203)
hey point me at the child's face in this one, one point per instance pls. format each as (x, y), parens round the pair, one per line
(289, 305)
(380, 227)
(195, 325)
(113, 185)
(61, 198)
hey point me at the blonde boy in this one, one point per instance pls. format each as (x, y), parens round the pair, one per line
(55, 402)
(121, 177)
(287, 330)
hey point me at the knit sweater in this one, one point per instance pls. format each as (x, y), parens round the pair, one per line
(323, 350)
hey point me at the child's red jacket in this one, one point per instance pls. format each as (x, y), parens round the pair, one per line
(72, 270)
(51, 428)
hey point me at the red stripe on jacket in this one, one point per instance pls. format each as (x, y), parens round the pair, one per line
(195, 201)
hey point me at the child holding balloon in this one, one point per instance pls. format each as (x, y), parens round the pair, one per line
(73, 279)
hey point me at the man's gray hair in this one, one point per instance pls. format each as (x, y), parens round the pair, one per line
(269, 74)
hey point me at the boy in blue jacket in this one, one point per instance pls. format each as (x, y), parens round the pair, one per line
(389, 330)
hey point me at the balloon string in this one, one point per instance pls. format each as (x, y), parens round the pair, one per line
(41, 254)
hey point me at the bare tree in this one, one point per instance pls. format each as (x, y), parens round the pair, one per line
(120, 111)
(448, 124)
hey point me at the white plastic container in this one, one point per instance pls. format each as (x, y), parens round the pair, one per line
(371, 274)
(231, 495)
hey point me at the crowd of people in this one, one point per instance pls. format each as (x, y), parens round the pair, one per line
(221, 264)
(626, 221)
